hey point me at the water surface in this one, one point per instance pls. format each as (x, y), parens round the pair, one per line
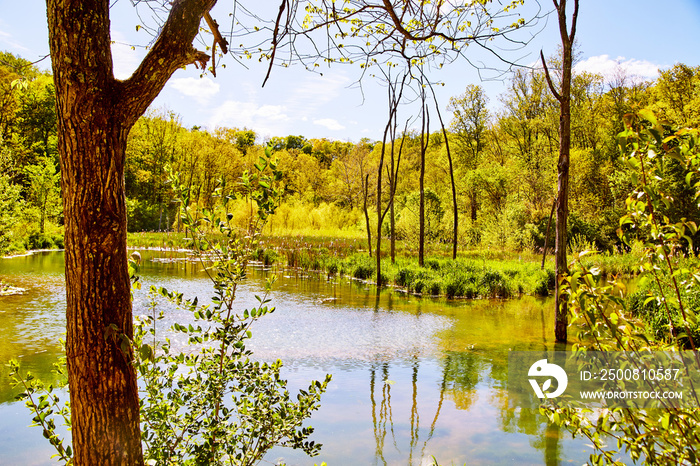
(413, 378)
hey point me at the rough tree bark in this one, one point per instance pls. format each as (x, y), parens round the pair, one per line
(561, 312)
(95, 113)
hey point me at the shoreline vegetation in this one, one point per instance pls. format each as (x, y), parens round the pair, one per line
(477, 273)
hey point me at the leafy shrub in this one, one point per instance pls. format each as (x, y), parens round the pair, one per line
(40, 241)
(332, 266)
(269, 257)
(404, 277)
(454, 288)
(545, 283)
(419, 285)
(363, 272)
(432, 264)
(434, 287)
(644, 303)
(493, 283)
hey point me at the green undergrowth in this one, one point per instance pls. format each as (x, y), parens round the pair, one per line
(480, 272)
(657, 304)
(463, 278)
(156, 239)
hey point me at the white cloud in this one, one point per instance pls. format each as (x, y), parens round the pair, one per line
(272, 112)
(606, 66)
(265, 120)
(6, 38)
(125, 57)
(201, 89)
(329, 123)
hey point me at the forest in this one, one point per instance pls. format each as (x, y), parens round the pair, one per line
(504, 149)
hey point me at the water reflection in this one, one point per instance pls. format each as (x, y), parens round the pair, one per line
(412, 378)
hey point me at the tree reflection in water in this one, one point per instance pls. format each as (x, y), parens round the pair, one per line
(462, 380)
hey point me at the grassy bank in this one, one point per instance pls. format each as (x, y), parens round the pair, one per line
(464, 277)
(480, 272)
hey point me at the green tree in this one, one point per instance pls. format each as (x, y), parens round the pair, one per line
(470, 124)
(35, 120)
(11, 204)
(44, 193)
(14, 71)
(677, 95)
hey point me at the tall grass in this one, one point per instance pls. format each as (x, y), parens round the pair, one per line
(463, 278)
(484, 272)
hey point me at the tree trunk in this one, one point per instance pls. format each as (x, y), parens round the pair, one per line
(392, 226)
(95, 112)
(472, 200)
(104, 394)
(561, 306)
(455, 211)
(380, 218)
(92, 142)
(425, 134)
(421, 212)
(367, 224)
(546, 234)
(392, 217)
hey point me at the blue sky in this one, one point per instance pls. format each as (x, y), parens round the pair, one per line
(638, 36)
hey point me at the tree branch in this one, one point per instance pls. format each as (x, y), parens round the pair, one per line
(549, 79)
(275, 40)
(172, 50)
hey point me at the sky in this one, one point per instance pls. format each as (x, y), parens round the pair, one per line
(639, 36)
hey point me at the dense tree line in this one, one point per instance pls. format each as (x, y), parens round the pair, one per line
(505, 166)
(505, 160)
(30, 202)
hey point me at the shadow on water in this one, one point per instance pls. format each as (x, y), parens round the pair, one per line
(412, 378)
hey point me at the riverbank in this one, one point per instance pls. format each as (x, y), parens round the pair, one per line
(476, 273)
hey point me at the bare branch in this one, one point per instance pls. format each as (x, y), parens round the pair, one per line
(275, 40)
(549, 79)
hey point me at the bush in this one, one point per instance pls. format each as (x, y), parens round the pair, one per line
(545, 282)
(454, 287)
(404, 277)
(363, 272)
(40, 241)
(419, 285)
(434, 288)
(432, 264)
(653, 312)
(332, 266)
(269, 257)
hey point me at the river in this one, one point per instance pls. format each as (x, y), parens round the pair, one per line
(413, 378)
